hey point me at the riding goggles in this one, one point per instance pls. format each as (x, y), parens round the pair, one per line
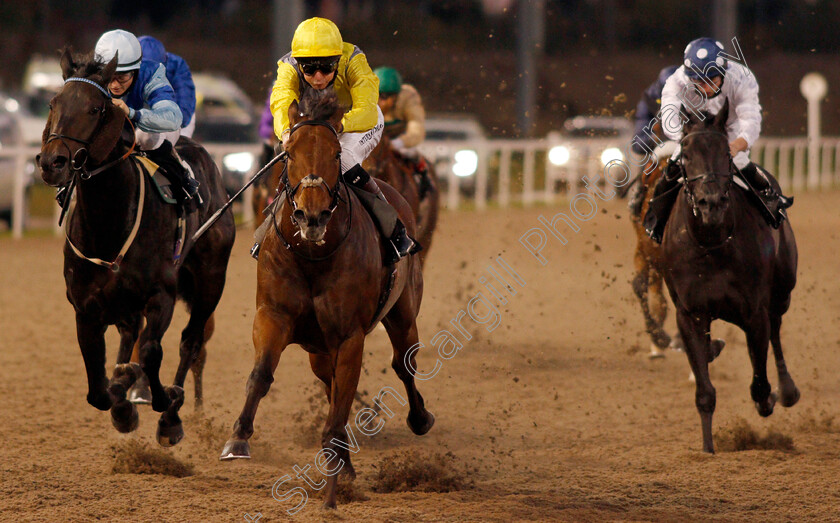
(325, 65)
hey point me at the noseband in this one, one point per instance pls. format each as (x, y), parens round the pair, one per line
(313, 181)
(80, 157)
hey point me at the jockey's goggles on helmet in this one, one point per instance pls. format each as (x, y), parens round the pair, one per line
(310, 66)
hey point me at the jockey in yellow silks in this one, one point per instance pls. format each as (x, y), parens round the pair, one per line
(320, 59)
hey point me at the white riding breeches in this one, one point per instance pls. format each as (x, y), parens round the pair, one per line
(188, 129)
(151, 141)
(355, 147)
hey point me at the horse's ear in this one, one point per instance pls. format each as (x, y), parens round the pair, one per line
(722, 116)
(294, 115)
(67, 63)
(109, 70)
(691, 117)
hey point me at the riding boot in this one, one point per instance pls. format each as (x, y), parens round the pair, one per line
(178, 170)
(769, 193)
(664, 196)
(386, 216)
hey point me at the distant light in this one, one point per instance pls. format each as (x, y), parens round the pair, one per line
(11, 105)
(610, 154)
(239, 162)
(466, 163)
(46, 81)
(559, 155)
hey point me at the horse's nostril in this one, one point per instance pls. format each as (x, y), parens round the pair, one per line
(59, 162)
(298, 215)
(324, 217)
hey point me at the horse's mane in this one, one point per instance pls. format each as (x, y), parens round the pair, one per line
(319, 104)
(87, 65)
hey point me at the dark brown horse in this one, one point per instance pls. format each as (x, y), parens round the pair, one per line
(722, 261)
(387, 165)
(320, 284)
(82, 145)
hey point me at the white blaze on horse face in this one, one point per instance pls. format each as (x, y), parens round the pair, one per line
(311, 182)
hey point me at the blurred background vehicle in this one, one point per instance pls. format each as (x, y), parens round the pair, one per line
(42, 79)
(11, 137)
(586, 144)
(225, 115)
(452, 146)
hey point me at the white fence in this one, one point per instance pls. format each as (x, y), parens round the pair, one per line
(519, 171)
(516, 172)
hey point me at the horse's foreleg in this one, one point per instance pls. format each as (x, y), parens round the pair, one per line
(348, 366)
(659, 307)
(694, 333)
(139, 393)
(192, 349)
(789, 392)
(91, 336)
(403, 334)
(641, 287)
(322, 366)
(758, 339)
(272, 333)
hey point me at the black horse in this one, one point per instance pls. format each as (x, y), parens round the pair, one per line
(722, 261)
(123, 258)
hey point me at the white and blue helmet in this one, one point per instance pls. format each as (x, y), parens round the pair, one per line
(703, 58)
(130, 53)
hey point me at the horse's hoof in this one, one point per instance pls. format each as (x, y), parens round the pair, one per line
(766, 409)
(717, 347)
(677, 344)
(101, 401)
(168, 435)
(655, 353)
(124, 416)
(790, 397)
(422, 423)
(236, 449)
(661, 340)
(140, 393)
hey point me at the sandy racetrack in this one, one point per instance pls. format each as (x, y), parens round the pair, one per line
(555, 415)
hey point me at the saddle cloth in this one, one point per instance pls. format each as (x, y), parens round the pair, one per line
(162, 183)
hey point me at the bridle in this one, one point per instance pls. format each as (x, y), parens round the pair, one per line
(77, 167)
(705, 178)
(79, 159)
(313, 181)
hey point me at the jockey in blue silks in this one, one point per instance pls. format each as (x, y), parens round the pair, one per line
(180, 77)
(139, 87)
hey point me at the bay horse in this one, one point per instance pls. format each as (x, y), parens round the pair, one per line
(648, 282)
(321, 282)
(387, 165)
(721, 261)
(118, 217)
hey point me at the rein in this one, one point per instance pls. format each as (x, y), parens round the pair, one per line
(311, 181)
(115, 265)
(78, 165)
(78, 168)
